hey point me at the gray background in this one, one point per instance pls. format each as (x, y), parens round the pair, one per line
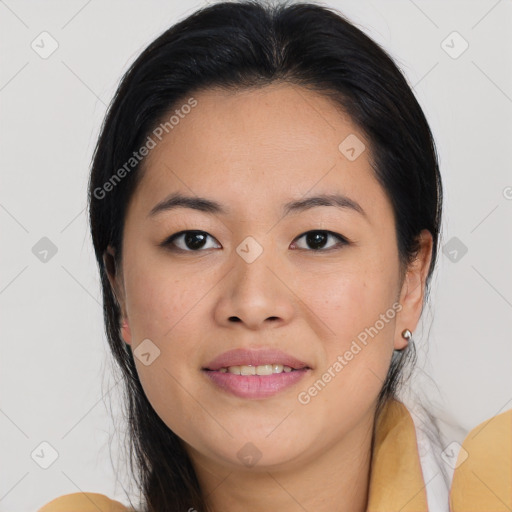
(55, 371)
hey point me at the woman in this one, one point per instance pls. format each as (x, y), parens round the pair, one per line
(265, 207)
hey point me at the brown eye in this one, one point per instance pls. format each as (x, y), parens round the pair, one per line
(317, 240)
(190, 241)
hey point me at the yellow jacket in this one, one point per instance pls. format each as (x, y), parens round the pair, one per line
(481, 473)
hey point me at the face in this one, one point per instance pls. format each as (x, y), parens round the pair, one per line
(320, 282)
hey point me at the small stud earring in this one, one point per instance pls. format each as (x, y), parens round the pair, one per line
(407, 334)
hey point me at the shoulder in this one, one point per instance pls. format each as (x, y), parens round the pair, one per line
(84, 502)
(483, 470)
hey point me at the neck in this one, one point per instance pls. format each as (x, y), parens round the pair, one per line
(335, 479)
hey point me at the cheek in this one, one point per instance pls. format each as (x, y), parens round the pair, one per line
(355, 313)
(357, 347)
(159, 301)
(164, 309)
(351, 296)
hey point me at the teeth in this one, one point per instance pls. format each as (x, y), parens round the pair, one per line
(264, 369)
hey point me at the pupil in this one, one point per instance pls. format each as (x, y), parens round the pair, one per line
(316, 237)
(191, 244)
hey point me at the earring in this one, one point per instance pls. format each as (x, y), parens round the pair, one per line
(406, 333)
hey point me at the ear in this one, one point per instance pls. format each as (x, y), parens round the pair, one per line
(413, 289)
(115, 279)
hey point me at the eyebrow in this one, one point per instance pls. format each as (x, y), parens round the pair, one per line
(212, 207)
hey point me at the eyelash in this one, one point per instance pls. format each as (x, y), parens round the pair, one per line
(169, 241)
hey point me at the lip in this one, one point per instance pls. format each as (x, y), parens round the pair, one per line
(240, 356)
(255, 386)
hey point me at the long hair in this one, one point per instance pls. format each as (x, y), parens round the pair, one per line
(235, 46)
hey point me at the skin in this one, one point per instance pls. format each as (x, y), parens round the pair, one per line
(252, 151)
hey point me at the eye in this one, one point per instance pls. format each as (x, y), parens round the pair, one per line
(318, 238)
(194, 240)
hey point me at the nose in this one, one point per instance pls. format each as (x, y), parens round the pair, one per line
(256, 294)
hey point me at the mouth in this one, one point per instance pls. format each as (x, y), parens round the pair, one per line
(255, 382)
(255, 373)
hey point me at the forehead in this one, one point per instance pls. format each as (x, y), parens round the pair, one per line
(261, 144)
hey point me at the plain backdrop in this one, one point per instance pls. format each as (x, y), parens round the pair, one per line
(55, 369)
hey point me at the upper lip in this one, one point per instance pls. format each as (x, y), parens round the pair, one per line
(240, 356)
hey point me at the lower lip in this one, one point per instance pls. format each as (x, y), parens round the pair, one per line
(255, 386)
